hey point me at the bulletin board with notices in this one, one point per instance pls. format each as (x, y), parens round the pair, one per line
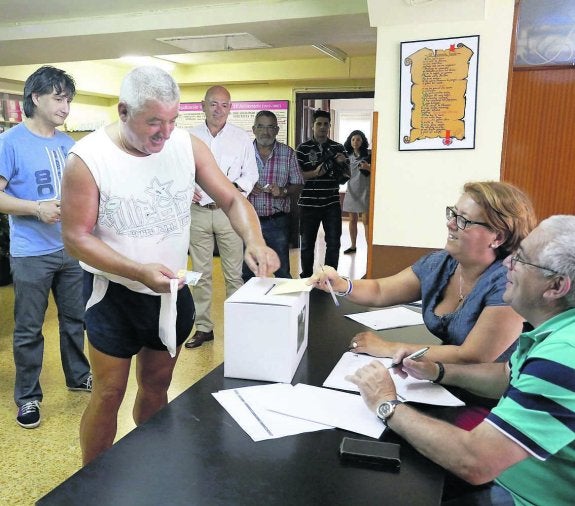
(242, 115)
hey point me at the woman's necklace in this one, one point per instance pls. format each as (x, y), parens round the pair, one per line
(461, 296)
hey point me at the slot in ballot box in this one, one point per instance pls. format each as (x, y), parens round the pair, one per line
(265, 336)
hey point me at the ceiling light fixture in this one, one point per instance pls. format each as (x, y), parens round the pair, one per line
(208, 43)
(331, 51)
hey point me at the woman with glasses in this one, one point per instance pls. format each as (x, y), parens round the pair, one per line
(460, 287)
(356, 200)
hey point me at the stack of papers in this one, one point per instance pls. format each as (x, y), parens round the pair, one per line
(388, 318)
(248, 407)
(340, 409)
(278, 410)
(408, 389)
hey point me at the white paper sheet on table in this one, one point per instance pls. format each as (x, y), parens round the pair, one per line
(322, 405)
(389, 318)
(246, 406)
(410, 389)
(291, 286)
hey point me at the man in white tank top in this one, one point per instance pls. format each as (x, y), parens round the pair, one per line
(126, 198)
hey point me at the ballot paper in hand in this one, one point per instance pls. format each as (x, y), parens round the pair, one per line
(246, 406)
(322, 405)
(191, 277)
(388, 318)
(408, 389)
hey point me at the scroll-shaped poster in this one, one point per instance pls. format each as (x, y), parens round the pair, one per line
(438, 94)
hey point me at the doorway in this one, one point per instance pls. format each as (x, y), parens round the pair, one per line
(307, 103)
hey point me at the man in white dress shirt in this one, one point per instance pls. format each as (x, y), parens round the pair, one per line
(233, 150)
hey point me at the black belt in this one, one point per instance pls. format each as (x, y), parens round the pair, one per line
(271, 216)
(212, 205)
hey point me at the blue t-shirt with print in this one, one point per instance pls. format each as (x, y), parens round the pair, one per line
(434, 272)
(33, 166)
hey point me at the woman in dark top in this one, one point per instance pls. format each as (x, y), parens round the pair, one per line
(460, 287)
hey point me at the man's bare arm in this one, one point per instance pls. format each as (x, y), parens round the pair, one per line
(262, 260)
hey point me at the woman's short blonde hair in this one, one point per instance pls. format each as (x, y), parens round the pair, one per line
(507, 209)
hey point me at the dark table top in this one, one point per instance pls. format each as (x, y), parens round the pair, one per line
(193, 452)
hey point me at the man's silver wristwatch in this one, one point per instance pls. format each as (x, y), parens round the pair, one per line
(386, 410)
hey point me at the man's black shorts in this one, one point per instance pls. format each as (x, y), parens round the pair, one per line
(124, 321)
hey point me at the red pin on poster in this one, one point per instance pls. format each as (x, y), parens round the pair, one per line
(447, 141)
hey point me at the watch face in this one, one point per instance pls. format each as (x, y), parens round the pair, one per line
(385, 410)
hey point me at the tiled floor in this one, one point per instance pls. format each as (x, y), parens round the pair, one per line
(32, 462)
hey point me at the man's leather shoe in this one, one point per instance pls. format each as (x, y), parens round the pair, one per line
(199, 338)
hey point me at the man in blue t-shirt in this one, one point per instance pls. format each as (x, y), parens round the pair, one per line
(527, 442)
(32, 157)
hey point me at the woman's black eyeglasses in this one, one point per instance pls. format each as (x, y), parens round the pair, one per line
(461, 221)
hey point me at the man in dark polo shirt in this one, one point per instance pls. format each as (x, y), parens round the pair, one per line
(322, 162)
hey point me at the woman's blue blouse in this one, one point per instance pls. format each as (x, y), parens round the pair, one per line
(434, 271)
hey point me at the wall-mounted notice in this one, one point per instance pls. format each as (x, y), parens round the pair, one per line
(438, 94)
(241, 115)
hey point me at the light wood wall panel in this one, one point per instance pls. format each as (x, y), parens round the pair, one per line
(389, 260)
(539, 148)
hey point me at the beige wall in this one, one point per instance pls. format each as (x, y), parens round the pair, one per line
(281, 90)
(98, 83)
(413, 188)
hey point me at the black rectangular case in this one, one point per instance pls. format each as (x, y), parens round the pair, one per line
(376, 454)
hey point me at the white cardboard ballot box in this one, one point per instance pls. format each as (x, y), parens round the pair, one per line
(265, 336)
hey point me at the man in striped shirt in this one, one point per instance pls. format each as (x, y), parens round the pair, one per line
(279, 178)
(527, 442)
(319, 199)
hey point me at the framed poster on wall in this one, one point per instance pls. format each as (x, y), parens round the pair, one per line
(438, 93)
(242, 115)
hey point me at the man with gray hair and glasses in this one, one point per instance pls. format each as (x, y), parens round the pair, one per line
(527, 442)
(279, 178)
(126, 198)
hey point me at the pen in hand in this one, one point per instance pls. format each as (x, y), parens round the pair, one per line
(335, 301)
(413, 356)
